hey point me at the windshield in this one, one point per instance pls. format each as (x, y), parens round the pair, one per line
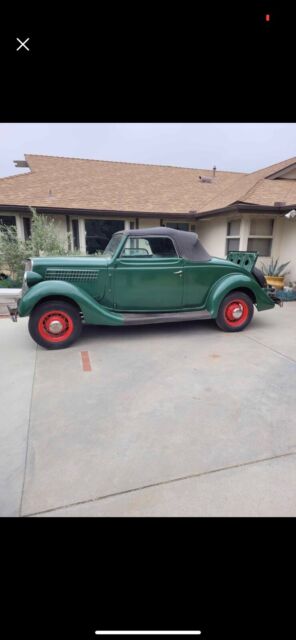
(112, 246)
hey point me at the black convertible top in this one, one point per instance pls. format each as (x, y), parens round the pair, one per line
(187, 242)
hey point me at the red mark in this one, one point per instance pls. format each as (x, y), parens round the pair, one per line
(267, 18)
(86, 366)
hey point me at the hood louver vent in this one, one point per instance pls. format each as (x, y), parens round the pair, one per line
(75, 275)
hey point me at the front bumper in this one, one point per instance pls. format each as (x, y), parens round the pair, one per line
(272, 294)
(13, 311)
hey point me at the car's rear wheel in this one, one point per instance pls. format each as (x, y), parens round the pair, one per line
(235, 312)
(55, 324)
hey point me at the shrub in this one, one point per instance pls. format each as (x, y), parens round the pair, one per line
(44, 240)
(13, 253)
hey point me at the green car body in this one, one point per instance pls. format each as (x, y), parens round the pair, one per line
(132, 286)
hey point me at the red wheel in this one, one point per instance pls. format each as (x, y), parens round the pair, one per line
(235, 312)
(55, 324)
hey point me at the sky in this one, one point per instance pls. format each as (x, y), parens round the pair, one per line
(242, 147)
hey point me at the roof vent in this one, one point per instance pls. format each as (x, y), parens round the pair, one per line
(279, 204)
(205, 178)
(20, 163)
(214, 171)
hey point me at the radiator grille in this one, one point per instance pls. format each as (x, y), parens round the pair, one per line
(75, 275)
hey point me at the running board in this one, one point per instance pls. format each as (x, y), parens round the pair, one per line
(157, 318)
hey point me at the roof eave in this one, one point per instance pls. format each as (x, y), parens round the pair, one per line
(242, 206)
(109, 212)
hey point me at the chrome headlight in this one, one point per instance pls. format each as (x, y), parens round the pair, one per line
(28, 265)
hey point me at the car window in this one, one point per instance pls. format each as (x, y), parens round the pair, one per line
(148, 248)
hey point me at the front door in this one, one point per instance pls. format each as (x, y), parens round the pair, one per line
(148, 275)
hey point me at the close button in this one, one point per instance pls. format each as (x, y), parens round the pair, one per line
(23, 44)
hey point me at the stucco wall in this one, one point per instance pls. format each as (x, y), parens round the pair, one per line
(287, 249)
(148, 222)
(61, 227)
(212, 234)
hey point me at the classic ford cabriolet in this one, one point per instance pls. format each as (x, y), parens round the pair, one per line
(144, 276)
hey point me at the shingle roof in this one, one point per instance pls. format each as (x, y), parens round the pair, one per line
(74, 183)
(257, 188)
(116, 186)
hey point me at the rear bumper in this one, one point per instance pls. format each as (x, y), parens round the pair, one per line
(272, 294)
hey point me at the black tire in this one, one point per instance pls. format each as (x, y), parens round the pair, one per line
(59, 311)
(233, 301)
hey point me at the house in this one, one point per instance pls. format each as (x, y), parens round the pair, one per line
(92, 199)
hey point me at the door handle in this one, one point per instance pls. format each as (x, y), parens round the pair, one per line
(178, 273)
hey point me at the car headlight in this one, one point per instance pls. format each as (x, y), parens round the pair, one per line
(28, 265)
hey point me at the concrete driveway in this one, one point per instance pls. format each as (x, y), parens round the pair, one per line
(169, 420)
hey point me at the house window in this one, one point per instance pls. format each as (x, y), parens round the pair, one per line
(181, 226)
(75, 234)
(27, 228)
(8, 221)
(99, 232)
(260, 237)
(233, 235)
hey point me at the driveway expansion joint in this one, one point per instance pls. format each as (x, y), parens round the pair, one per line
(272, 349)
(28, 433)
(162, 483)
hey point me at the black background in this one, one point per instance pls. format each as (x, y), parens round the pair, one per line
(64, 578)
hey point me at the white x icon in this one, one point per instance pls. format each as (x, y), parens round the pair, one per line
(23, 44)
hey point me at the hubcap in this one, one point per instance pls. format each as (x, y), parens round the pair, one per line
(55, 326)
(237, 312)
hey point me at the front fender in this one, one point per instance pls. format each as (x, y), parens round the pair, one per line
(233, 282)
(93, 312)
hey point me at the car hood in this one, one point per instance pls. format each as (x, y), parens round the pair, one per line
(70, 262)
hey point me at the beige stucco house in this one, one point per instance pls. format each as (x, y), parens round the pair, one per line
(92, 199)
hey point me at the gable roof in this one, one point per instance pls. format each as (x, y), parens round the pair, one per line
(111, 186)
(122, 187)
(257, 188)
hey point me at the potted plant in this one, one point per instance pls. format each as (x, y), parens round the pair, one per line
(274, 273)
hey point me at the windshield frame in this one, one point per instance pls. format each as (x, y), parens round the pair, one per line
(115, 240)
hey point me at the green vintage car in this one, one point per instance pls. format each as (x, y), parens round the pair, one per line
(144, 276)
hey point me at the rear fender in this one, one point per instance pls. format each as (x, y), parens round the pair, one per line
(233, 282)
(93, 312)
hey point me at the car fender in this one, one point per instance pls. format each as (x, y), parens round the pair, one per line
(233, 282)
(93, 312)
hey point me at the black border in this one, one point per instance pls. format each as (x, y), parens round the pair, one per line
(66, 577)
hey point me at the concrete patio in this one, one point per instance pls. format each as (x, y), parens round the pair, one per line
(171, 420)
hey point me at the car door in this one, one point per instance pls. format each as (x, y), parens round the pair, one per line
(199, 277)
(148, 275)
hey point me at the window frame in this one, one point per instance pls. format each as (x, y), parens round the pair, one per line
(262, 237)
(146, 237)
(233, 237)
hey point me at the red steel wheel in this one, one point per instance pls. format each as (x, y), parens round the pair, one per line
(55, 324)
(235, 312)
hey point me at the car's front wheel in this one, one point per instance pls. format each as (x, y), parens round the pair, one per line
(235, 312)
(55, 324)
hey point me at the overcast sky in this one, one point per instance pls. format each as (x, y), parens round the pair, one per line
(231, 147)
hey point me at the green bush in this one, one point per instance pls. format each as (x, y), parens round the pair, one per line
(7, 283)
(13, 253)
(44, 238)
(44, 241)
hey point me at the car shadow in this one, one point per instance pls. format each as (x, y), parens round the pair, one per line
(95, 332)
